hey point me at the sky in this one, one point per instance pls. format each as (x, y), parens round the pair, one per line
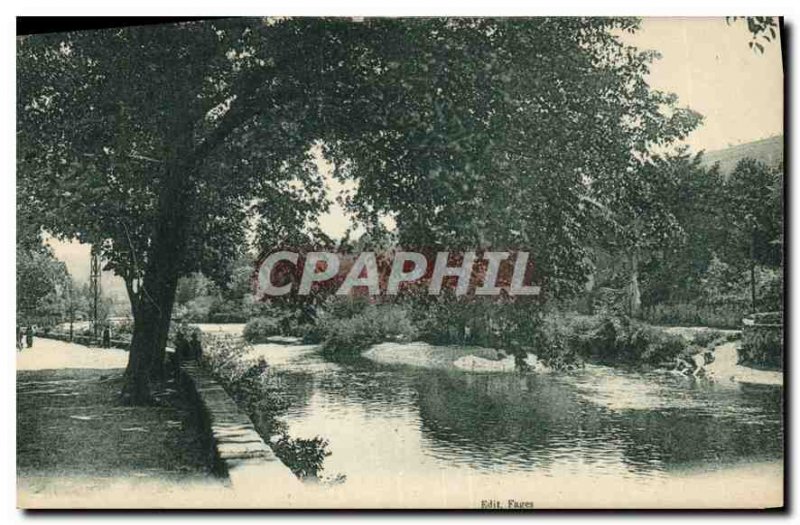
(705, 61)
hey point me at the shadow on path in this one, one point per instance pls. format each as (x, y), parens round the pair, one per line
(75, 437)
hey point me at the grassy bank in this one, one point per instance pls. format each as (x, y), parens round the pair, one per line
(259, 394)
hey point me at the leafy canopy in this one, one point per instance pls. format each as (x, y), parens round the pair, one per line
(487, 132)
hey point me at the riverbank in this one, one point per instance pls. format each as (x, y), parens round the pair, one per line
(725, 367)
(452, 357)
(476, 359)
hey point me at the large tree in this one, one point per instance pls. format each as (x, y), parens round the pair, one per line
(506, 133)
(159, 143)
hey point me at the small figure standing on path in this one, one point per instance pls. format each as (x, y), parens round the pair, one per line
(29, 337)
(18, 337)
(106, 337)
(181, 351)
(195, 348)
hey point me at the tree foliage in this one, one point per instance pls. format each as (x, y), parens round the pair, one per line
(162, 144)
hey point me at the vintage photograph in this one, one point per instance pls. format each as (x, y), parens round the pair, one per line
(481, 263)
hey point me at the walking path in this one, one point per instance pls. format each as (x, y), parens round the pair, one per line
(49, 354)
(77, 445)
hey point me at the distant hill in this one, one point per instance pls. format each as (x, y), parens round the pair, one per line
(769, 151)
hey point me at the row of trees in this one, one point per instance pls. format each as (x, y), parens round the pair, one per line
(46, 292)
(163, 145)
(695, 234)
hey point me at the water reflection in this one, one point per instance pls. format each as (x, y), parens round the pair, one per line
(400, 420)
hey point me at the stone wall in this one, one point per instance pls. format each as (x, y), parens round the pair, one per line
(239, 451)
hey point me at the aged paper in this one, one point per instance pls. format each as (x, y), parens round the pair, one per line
(503, 264)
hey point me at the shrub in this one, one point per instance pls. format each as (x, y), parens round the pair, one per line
(304, 456)
(444, 321)
(258, 330)
(228, 311)
(707, 338)
(375, 324)
(255, 390)
(313, 333)
(196, 310)
(556, 349)
(622, 340)
(762, 341)
(247, 380)
(722, 315)
(453, 320)
(345, 307)
(186, 329)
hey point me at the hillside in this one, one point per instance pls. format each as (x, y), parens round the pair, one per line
(769, 150)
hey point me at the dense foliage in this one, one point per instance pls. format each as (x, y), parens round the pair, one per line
(254, 388)
(160, 144)
(373, 324)
(763, 341)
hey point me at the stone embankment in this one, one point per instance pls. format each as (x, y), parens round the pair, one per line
(239, 451)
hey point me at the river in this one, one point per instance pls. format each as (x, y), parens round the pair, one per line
(397, 426)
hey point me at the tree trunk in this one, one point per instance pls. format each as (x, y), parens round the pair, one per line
(153, 311)
(635, 295)
(753, 273)
(753, 286)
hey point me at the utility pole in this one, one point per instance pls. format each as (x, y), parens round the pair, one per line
(94, 289)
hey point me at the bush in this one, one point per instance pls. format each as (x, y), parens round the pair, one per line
(247, 380)
(375, 324)
(345, 307)
(453, 320)
(556, 347)
(708, 338)
(723, 315)
(186, 329)
(304, 456)
(254, 389)
(313, 333)
(762, 341)
(625, 341)
(196, 310)
(260, 329)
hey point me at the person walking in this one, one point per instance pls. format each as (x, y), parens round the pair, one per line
(181, 351)
(29, 337)
(195, 348)
(106, 337)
